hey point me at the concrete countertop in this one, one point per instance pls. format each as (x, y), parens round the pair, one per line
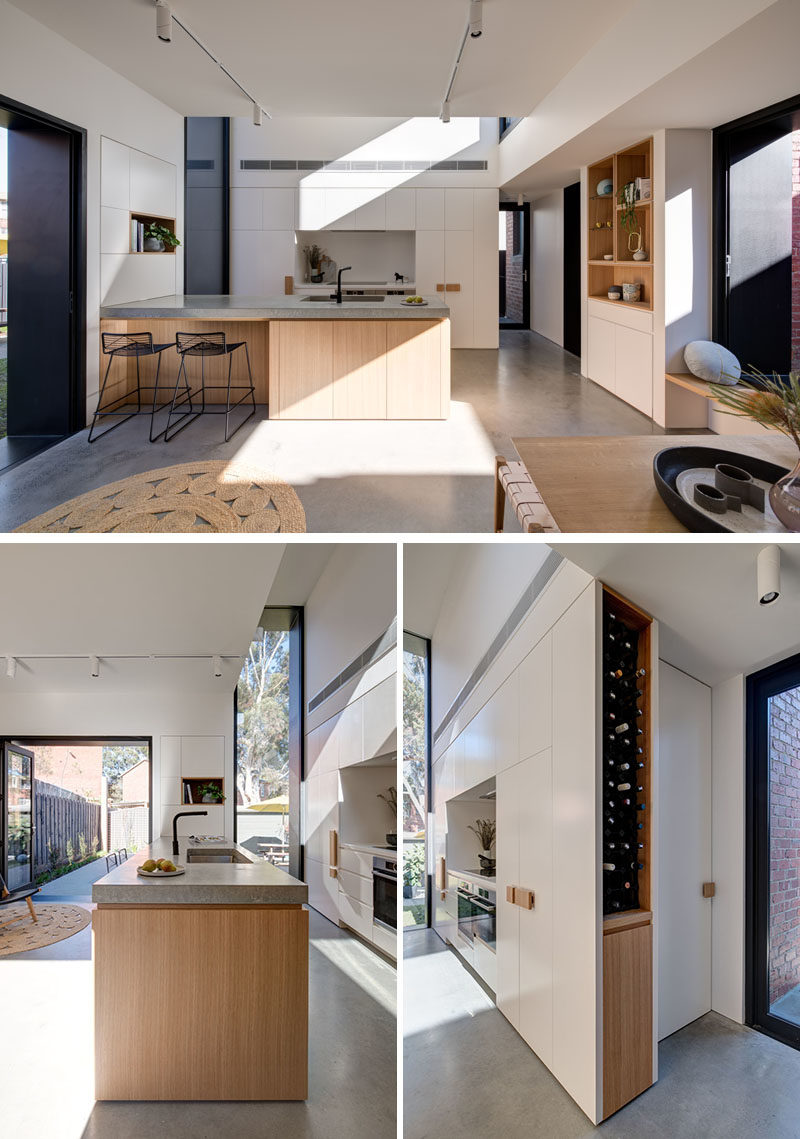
(367, 848)
(271, 308)
(255, 882)
(474, 876)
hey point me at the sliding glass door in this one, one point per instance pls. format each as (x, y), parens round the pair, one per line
(774, 851)
(16, 858)
(416, 768)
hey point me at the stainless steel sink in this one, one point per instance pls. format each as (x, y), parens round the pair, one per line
(365, 298)
(218, 855)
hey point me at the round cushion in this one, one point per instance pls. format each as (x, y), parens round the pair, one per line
(711, 362)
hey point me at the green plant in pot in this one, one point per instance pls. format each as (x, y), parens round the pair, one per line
(413, 867)
(210, 793)
(773, 403)
(389, 797)
(158, 237)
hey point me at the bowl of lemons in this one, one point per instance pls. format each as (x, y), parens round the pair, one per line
(160, 868)
(414, 301)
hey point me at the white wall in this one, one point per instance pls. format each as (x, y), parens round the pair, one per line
(484, 588)
(44, 71)
(163, 714)
(728, 848)
(547, 266)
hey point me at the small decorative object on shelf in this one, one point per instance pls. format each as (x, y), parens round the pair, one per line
(389, 797)
(605, 188)
(486, 832)
(608, 256)
(615, 293)
(158, 237)
(631, 292)
(773, 403)
(210, 793)
(315, 255)
(635, 245)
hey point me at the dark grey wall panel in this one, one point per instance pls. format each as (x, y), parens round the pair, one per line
(207, 253)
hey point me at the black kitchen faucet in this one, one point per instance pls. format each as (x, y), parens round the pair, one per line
(339, 284)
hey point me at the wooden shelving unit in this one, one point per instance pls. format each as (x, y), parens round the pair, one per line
(147, 219)
(628, 933)
(606, 233)
(194, 783)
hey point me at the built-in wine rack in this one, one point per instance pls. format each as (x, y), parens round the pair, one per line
(625, 805)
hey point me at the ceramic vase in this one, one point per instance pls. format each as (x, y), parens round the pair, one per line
(784, 498)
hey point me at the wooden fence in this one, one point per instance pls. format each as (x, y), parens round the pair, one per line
(59, 816)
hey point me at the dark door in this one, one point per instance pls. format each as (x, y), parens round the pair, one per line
(773, 832)
(753, 244)
(46, 279)
(572, 268)
(514, 244)
(16, 817)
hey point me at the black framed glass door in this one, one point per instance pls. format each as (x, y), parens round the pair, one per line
(16, 809)
(514, 265)
(773, 825)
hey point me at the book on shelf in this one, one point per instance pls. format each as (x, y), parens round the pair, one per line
(187, 793)
(643, 189)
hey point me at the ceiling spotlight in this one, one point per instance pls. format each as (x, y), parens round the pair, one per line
(257, 112)
(11, 667)
(94, 666)
(163, 21)
(445, 112)
(475, 18)
(768, 573)
(217, 665)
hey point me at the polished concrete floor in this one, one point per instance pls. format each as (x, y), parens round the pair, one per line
(467, 1072)
(46, 1070)
(363, 477)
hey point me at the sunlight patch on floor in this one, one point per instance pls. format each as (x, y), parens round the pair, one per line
(371, 973)
(438, 990)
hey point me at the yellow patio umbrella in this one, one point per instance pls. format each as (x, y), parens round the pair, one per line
(275, 806)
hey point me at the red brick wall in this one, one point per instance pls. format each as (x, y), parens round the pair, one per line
(513, 272)
(136, 783)
(73, 767)
(796, 251)
(784, 922)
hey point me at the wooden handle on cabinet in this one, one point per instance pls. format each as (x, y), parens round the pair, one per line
(441, 875)
(333, 849)
(524, 898)
(452, 288)
(288, 286)
(511, 894)
(440, 288)
(709, 889)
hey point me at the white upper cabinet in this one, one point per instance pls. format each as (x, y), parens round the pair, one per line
(429, 266)
(380, 718)
(247, 206)
(459, 263)
(338, 209)
(535, 699)
(202, 755)
(372, 215)
(401, 212)
(153, 185)
(535, 789)
(278, 208)
(509, 820)
(459, 209)
(349, 728)
(430, 209)
(115, 175)
(504, 722)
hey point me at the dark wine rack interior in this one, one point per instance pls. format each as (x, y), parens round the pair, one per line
(626, 826)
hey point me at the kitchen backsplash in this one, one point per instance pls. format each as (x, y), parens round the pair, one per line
(374, 256)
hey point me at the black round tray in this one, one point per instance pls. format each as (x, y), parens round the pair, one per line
(672, 461)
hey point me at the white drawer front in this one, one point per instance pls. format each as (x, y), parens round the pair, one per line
(356, 887)
(356, 915)
(385, 940)
(618, 313)
(357, 862)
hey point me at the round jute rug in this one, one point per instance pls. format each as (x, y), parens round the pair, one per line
(214, 497)
(56, 921)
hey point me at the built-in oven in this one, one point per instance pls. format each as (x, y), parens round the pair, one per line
(476, 913)
(384, 892)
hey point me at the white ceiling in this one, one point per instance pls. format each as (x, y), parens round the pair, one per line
(353, 57)
(427, 569)
(131, 598)
(704, 596)
(301, 567)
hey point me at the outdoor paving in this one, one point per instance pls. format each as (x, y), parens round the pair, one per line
(75, 886)
(788, 1006)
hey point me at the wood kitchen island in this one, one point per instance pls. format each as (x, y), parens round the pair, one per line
(311, 359)
(201, 980)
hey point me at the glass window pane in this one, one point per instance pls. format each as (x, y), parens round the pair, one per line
(415, 782)
(784, 838)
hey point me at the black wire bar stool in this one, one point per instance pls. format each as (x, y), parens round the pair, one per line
(204, 344)
(124, 345)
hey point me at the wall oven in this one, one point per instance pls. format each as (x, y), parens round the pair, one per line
(477, 908)
(384, 892)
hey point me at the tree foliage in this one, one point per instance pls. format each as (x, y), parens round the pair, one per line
(263, 710)
(414, 743)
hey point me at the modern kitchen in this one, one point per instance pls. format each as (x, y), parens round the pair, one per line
(253, 929)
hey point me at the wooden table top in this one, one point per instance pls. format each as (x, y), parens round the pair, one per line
(603, 484)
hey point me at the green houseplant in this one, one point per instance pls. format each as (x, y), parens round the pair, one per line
(158, 237)
(413, 866)
(210, 793)
(773, 403)
(486, 832)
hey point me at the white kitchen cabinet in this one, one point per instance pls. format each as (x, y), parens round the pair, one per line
(372, 215)
(329, 745)
(459, 267)
(401, 210)
(503, 709)
(153, 185)
(115, 230)
(349, 729)
(115, 175)
(278, 209)
(536, 699)
(459, 208)
(380, 719)
(487, 292)
(485, 963)
(356, 886)
(509, 818)
(479, 758)
(170, 756)
(430, 209)
(458, 763)
(633, 356)
(385, 940)
(323, 891)
(356, 914)
(356, 862)
(600, 353)
(202, 755)
(247, 204)
(339, 208)
(429, 261)
(536, 925)
(311, 211)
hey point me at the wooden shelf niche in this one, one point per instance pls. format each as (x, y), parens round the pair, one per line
(621, 168)
(146, 220)
(190, 789)
(628, 1047)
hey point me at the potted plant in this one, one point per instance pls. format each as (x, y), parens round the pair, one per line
(210, 793)
(486, 832)
(413, 866)
(772, 403)
(315, 255)
(390, 799)
(158, 237)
